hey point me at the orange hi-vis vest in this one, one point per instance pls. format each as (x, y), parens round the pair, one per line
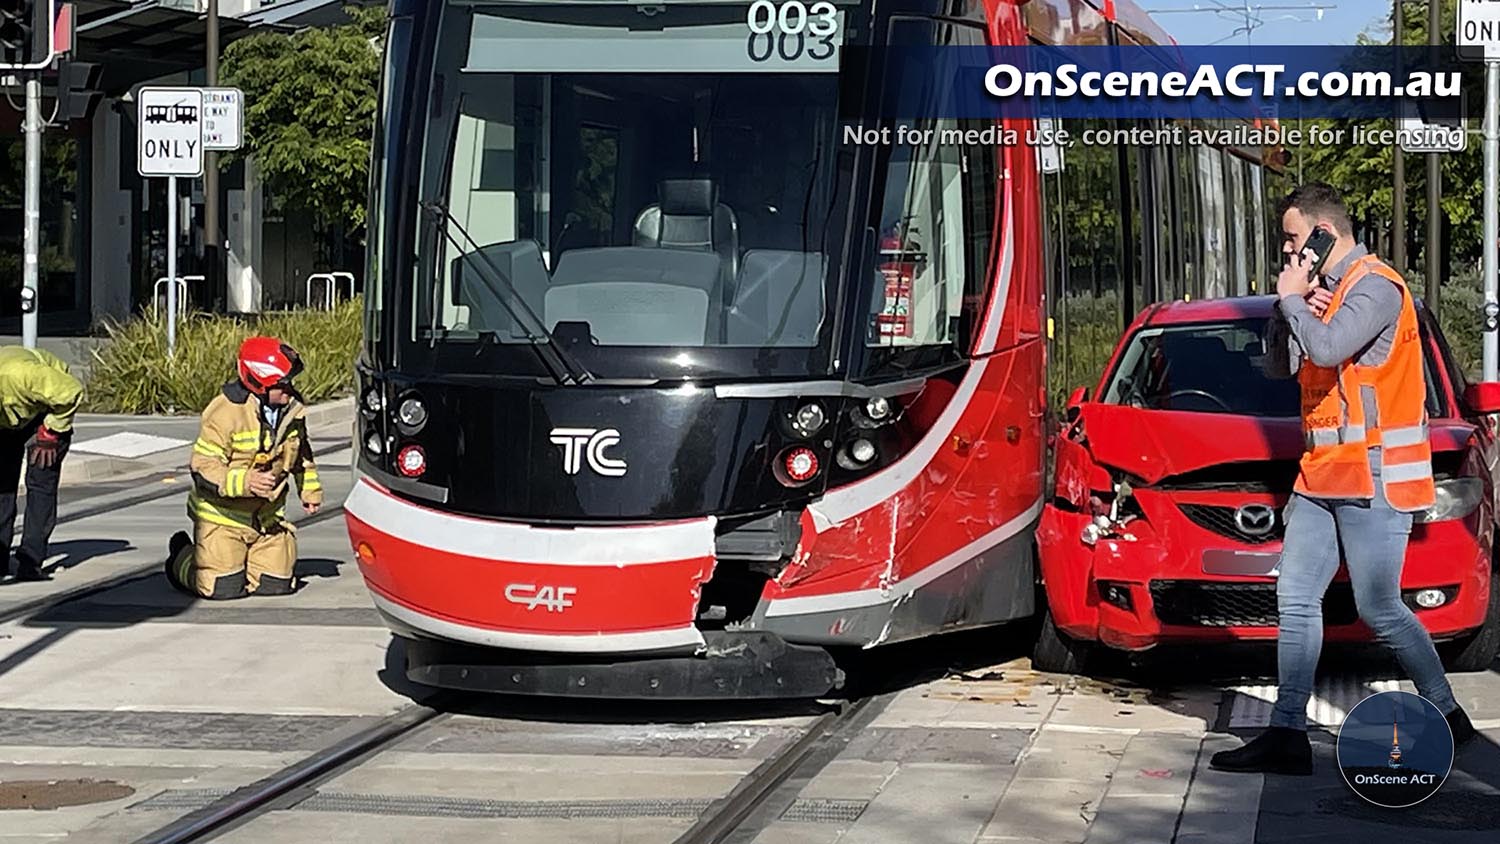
(1336, 462)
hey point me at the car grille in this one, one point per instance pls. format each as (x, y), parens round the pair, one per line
(1196, 603)
(1220, 520)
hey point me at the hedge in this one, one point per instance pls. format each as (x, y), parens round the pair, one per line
(131, 373)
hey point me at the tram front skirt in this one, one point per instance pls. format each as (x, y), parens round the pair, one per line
(730, 666)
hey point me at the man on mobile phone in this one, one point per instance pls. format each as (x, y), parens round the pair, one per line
(1366, 467)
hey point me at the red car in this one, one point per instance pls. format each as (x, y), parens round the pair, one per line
(1165, 523)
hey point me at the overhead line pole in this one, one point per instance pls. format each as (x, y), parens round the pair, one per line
(213, 258)
(1398, 168)
(1434, 258)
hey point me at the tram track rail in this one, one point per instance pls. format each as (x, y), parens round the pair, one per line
(266, 794)
(736, 812)
(44, 603)
(742, 813)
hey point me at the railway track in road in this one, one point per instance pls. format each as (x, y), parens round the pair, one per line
(44, 603)
(737, 816)
(761, 796)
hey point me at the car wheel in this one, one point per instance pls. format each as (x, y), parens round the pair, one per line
(1056, 651)
(1476, 651)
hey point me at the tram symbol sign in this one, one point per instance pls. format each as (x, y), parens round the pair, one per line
(223, 118)
(170, 131)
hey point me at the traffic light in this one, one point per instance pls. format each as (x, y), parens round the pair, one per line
(77, 89)
(26, 34)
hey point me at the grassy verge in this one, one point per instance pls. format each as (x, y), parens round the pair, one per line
(132, 374)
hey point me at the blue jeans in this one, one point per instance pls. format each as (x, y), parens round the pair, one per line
(1373, 536)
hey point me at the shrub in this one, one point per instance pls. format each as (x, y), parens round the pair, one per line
(1461, 312)
(131, 372)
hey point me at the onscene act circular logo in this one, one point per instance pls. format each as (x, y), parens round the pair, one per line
(1395, 749)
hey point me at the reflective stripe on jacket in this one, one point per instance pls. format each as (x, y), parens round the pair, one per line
(35, 382)
(233, 439)
(1336, 462)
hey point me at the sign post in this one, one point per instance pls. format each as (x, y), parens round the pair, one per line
(1479, 30)
(171, 145)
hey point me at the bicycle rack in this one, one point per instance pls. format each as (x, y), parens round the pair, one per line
(157, 299)
(330, 284)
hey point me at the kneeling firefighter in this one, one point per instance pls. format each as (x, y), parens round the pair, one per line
(252, 442)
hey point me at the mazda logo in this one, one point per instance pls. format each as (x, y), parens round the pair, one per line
(1255, 519)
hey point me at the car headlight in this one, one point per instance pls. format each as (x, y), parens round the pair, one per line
(1455, 499)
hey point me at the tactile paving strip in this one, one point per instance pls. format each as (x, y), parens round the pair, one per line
(457, 807)
(811, 810)
(805, 810)
(1331, 700)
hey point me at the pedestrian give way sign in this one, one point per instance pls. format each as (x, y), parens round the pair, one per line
(170, 132)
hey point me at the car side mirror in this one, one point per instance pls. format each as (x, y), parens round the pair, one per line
(1483, 397)
(1078, 397)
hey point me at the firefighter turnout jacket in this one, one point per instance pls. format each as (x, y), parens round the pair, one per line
(35, 382)
(1339, 437)
(235, 439)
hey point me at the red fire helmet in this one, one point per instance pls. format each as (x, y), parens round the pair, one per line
(266, 362)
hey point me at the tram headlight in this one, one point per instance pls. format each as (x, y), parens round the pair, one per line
(858, 454)
(374, 444)
(873, 413)
(411, 415)
(373, 400)
(808, 419)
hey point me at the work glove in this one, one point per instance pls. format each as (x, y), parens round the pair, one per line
(45, 449)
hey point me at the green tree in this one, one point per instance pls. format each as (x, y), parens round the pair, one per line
(1363, 171)
(310, 100)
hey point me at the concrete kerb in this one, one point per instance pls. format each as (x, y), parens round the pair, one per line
(324, 420)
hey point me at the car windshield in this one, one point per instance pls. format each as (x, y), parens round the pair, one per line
(1221, 368)
(1212, 368)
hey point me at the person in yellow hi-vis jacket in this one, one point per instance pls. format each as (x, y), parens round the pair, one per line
(252, 444)
(38, 399)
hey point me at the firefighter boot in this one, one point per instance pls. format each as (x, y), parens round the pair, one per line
(179, 566)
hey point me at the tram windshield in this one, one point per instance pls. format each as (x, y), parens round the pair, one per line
(636, 180)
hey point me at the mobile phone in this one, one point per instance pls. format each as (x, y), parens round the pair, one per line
(1321, 243)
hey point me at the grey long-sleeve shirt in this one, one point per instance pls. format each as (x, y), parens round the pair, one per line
(1363, 328)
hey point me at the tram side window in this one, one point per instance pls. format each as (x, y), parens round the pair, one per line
(935, 238)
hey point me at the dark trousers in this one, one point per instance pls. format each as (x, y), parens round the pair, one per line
(41, 495)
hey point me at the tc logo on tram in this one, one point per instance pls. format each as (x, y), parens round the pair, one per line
(554, 598)
(580, 445)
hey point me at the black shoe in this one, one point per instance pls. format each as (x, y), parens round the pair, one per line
(1278, 750)
(32, 572)
(1462, 727)
(179, 541)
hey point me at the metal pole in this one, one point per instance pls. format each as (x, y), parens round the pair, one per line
(171, 265)
(1491, 217)
(212, 258)
(32, 228)
(1398, 171)
(1434, 184)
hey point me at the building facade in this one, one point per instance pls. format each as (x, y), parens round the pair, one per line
(103, 227)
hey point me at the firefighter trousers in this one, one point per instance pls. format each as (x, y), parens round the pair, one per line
(227, 561)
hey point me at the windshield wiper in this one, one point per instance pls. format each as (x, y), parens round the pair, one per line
(561, 365)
